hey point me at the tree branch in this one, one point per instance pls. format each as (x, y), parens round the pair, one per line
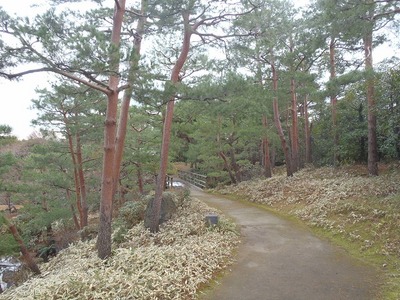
(60, 72)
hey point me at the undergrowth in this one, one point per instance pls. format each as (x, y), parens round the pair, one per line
(171, 264)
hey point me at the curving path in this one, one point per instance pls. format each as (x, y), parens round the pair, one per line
(277, 260)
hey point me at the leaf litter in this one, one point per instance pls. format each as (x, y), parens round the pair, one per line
(171, 264)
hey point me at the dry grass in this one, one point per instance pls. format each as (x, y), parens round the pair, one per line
(171, 264)
(359, 212)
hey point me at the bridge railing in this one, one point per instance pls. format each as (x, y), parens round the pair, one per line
(196, 179)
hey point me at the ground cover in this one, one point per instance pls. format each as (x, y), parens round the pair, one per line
(172, 264)
(358, 212)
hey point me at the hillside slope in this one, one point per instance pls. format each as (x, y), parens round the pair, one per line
(172, 264)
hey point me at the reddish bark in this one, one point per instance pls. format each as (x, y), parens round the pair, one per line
(294, 128)
(267, 159)
(25, 253)
(107, 184)
(278, 124)
(160, 185)
(307, 132)
(124, 114)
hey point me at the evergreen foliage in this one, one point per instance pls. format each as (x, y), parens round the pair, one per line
(223, 92)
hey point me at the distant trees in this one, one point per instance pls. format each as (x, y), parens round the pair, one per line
(6, 136)
(5, 130)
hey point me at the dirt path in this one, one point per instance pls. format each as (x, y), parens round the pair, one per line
(278, 260)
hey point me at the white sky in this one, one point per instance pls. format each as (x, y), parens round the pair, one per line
(16, 96)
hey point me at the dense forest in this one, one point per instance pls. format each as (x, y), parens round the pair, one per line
(230, 88)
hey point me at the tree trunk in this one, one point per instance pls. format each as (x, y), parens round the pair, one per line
(278, 124)
(74, 217)
(160, 183)
(267, 159)
(124, 114)
(76, 174)
(295, 128)
(227, 167)
(362, 154)
(234, 165)
(372, 138)
(307, 132)
(140, 179)
(25, 253)
(82, 185)
(332, 63)
(107, 184)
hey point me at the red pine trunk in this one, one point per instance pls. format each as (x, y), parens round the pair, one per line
(107, 184)
(267, 159)
(285, 147)
(160, 185)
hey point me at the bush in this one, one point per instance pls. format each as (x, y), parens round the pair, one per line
(132, 212)
(182, 196)
(8, 245)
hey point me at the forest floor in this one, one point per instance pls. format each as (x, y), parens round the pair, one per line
(358, 212)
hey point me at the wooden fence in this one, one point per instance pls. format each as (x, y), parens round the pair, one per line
(196, 179)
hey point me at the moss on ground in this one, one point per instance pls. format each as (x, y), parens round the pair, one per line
(359, 213)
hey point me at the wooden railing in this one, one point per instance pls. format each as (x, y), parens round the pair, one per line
(196, 179)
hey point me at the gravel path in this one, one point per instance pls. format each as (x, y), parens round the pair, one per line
(278, 260)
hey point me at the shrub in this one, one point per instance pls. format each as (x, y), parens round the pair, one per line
(8, 245)
(132, 212)
(182, 196)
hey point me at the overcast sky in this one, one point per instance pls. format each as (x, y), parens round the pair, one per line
(16, 96)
